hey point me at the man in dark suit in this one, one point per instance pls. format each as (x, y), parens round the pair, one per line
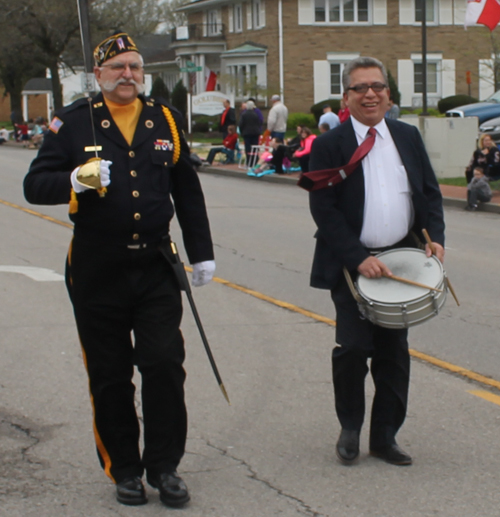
(385, 203)
(227, 118)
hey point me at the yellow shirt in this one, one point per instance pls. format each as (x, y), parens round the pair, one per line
(126, 117)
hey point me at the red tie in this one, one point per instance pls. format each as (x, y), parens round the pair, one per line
(316, 180)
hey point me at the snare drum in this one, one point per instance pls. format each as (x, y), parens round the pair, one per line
(392, 304)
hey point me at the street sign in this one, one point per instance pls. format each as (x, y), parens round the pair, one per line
(191, 69)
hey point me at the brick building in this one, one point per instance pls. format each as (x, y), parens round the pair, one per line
(299, 47)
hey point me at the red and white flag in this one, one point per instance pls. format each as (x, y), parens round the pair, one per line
(485, 12)
(210, 80)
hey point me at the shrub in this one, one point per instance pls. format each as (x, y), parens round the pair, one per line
(454, 101)
(393, 87)
(317, 109)
(301, 119)
(204, 123)
(160, 89)
(179, 98)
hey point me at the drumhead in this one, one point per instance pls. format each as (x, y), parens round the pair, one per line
(408, 263)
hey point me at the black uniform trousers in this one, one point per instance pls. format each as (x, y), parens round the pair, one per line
(358, 340)
(117, 292)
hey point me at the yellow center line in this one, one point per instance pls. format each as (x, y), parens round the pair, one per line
(444, 365)
(486, 395)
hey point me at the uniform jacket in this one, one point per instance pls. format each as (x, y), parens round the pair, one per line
(338, 211)
(145, 184)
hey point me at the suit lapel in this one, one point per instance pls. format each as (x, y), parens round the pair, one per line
(405, 151)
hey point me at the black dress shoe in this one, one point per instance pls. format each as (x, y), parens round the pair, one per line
(173, 490)
(348, 446)
(392, 454)
(131, 491)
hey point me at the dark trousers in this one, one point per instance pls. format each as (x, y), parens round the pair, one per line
(474, 195)
(117, 293)
(304, 162)
(359, 339)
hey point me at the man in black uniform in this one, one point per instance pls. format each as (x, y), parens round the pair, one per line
(118, 281)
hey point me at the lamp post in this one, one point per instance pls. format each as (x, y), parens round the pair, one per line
(424, 58)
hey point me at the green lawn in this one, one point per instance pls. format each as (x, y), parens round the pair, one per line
(459, 182)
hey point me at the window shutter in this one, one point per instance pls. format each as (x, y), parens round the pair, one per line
(230, 21)
(448, 77)
(406, 12)
(262, 13)
(205, 22)
(219, 21)
(486, 80)
(249, 15)
(459, 9)
(405, 81)
(445, 12)
(379, 12)
(306, 12)
(321, 70)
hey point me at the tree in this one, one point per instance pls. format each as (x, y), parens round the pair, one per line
(179, 97)
(160, 89)
(393, 87)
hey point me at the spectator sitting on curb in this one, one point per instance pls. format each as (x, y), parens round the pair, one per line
(4, 135)
(478, 189)
(229, 144)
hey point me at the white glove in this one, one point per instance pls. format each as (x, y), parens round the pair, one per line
(104, 173)
(203, 272)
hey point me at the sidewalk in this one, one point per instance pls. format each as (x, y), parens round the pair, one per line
(452, 195)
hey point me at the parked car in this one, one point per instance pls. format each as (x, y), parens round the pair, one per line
(492, 128)
(486, 110)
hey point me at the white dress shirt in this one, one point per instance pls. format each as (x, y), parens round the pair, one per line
(388, 211)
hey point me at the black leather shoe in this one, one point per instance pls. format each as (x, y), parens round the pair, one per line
(173, 490)
(392, 454)
(131, 491)
(348, 446)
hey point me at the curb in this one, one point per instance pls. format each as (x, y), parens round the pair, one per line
(454, 202)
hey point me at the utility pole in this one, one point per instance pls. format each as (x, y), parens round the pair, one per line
(424, 58)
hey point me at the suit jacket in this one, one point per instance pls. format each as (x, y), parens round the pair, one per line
(338, 211)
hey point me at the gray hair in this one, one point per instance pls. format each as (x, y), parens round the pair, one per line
(361, 62)
(275, 98)
(250, 105)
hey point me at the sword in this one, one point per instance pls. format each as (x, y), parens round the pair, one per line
(172, 256)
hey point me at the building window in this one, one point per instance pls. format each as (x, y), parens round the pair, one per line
(336, 78)
(238, 18)
(341, 11)
(257, 20)
(213, 25)
(430, 11)
(432, 78)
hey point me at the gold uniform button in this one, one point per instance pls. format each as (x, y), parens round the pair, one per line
(133, 174)
(135, 236)
(137, 216)
(131, 154)
(135, 193)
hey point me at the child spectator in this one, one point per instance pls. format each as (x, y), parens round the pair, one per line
(275, 159)
(478, 189)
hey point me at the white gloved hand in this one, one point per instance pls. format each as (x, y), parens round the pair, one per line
(203, 272)
(104, 174)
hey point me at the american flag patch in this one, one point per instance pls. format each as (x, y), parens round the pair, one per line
(120, 43)
(56, 125)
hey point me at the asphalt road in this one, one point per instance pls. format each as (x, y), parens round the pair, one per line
(272, 451)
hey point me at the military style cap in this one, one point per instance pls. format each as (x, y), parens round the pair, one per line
(118, 43)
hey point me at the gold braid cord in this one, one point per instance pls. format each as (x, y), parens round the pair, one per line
(175, 133)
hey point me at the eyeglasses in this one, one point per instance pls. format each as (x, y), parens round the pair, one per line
(363, 87)
(121, 67)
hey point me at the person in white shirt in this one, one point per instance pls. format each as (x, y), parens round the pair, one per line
(384, 203)
(277, 118)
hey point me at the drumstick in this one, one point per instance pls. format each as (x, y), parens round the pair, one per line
(411, 282)
(433, 249)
